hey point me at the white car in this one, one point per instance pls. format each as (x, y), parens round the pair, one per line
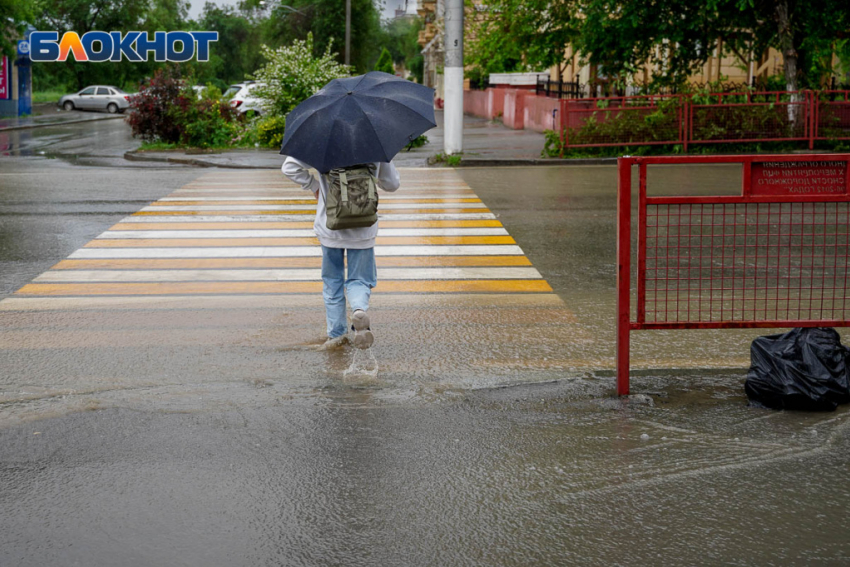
(242, 100)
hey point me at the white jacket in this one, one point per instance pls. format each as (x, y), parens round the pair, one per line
(358, 238)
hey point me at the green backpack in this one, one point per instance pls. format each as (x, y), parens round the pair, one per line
(352, 201)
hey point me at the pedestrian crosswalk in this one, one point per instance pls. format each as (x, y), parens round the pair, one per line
(250, 232)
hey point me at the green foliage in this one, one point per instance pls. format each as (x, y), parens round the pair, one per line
(385, 62)
(417, 142)
(678, 36)
(325, 20)
(14, 14)
(41, 97)
(167, 111)
(82, 16)
(293, 74)
(401, 38)
(236, 54)
(270, 130)
(520, 35)
(450, 160)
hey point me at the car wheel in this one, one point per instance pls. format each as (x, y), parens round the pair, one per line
(112, 108)
(69, 106)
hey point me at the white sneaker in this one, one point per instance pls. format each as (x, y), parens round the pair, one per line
(363, 337)
(333, 343)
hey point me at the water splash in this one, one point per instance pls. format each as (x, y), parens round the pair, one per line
(363, 365)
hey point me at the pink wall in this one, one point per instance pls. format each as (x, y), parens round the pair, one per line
(538, 113)
(475, 103)
(517, 108)
(514, 115)
(496, 103)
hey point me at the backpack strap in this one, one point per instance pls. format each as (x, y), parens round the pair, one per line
(371, 188)
(343, 186)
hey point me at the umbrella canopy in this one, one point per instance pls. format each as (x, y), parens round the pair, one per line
(358, 120)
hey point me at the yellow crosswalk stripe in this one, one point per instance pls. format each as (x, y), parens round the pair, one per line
(179, 288)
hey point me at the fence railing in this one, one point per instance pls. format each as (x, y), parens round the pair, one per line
(705, 119)
(558, 89)
(774, 255)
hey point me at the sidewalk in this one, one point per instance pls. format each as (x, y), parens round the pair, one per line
(483, 140)
(48, 114)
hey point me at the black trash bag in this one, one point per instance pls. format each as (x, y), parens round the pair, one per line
(803, 369)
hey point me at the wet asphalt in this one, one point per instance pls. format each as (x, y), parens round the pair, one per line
(214, 456)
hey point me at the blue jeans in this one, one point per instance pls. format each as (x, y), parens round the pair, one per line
(362, 277)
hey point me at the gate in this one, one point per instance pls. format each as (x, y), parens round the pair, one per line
(774, 256)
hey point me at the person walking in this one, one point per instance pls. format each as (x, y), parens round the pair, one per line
(358, 244)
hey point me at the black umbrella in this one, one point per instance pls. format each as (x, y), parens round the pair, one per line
(358, 120)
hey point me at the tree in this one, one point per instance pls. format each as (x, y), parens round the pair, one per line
(385, 62)
(293, 74)
(82, 16)
(401, 38)
(678, 36)
(517, 35)
(236, 54)
(325, 19)
(15, 14)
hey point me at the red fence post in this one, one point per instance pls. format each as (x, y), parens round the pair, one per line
(624, 266)
(812, 116)
(565, 115)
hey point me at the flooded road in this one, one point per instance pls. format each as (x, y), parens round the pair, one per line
(204, 429)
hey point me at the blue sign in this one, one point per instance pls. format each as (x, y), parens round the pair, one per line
(24, 48)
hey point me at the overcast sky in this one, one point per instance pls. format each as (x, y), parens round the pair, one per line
(389, 6)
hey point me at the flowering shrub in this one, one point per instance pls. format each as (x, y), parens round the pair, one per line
(167, 111)
(293, 74)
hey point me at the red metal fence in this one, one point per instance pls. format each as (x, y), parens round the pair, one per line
(706, 119)
(774, 256)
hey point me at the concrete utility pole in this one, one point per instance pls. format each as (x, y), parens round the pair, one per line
(453, 78)
(348, 32)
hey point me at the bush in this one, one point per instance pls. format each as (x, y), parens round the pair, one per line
(293, 74)
(168, 112)
(270, 131)
(385, 63)
(150, 108)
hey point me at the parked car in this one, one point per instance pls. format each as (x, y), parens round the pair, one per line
(97, 97)
(242, 99)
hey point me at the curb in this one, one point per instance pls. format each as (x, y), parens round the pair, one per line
(134, 156)
(484, 162)
(30, 126)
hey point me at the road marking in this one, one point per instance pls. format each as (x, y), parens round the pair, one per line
(178, 288)
(256, 275)
(286, 251)
(295, 201)
(151, 226)
(176, 217)
(307, 205)
(291, 262)
(299, 233)
(250, 234)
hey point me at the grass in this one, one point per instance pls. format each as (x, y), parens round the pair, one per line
(158, 146)
(164, 146)
(41, 97)
(451, 161)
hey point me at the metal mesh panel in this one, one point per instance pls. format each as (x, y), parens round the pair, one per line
(724, 262)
